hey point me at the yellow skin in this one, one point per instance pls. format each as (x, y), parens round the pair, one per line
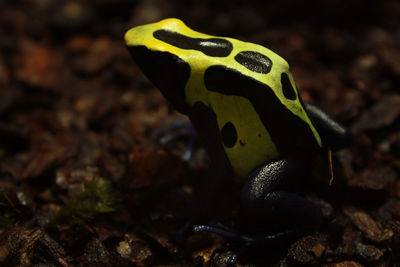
(255, 146)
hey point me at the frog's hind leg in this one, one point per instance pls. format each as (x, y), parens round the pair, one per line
(176, 131)
(269, 212)
(269, 206)
(270, 216)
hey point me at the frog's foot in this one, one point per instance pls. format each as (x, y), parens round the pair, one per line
(250, 244)
(176, 131)
(218, 229)
(233, 234)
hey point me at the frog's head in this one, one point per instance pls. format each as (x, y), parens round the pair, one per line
(164, 51)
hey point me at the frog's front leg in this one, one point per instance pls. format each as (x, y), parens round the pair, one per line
(268, 207)
(207, 196)
(220, 171)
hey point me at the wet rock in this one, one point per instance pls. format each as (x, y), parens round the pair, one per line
(136, 250)
(24, 247)
(380, 114)
(377, 178)
(344, 264)
(124, 249)
(95, 252)
(41, 158)
(348, 243)
(308, 249)
(368, 252)
(371, 229)
(390, 210)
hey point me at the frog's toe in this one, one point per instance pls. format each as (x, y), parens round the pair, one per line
(222, 231)
(178, 130)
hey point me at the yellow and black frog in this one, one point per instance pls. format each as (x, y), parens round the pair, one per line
(242, 101)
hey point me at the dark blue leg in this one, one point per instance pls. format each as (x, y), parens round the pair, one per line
(206, 197)
(267, 203)
(270, 215)
(333, 134)
(177, 130)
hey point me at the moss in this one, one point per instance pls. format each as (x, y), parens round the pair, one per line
(94, 198)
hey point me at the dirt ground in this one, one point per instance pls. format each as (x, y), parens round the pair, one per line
(84, 180)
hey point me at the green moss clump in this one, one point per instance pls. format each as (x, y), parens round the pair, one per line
(94, 198)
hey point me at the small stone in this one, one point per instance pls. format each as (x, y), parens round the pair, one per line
(140, 250)
(30, 247)
(350, 237)
(371, 229)
(124, 249)
(377, 178)
(95, 252)
(318, 249)
(308, 248)
(379, 115)
(344, 264)
(368, 252)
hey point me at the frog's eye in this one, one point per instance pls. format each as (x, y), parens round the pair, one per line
(287, 87)
(213, 47)
(168, 72)
(254, 61)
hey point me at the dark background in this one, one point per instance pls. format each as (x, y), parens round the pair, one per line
(74, 106)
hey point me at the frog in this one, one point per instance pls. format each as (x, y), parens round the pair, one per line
(242, 101)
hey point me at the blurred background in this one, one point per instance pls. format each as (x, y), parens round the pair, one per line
(74, 106)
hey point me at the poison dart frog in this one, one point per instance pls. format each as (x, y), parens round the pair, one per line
(243, 103)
